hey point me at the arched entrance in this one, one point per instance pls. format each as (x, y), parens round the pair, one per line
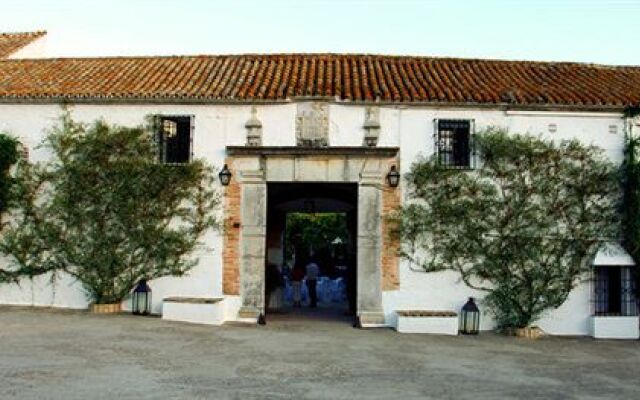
(365, 169)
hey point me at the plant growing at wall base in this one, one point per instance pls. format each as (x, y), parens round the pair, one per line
(523, 227)
(105, 211)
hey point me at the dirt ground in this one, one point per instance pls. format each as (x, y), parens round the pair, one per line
(48, 354)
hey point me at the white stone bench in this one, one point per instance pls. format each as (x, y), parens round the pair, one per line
(615, 327)
(424, 321)
(197, 310)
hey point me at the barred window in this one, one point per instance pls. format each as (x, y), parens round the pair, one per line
(454, 144)
(615, 291)
(174, 139)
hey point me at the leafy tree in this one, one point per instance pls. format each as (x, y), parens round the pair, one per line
(307, 231)
(8, 157)
(631, 197)
(106, 211)
(631, 204)
(523, 227)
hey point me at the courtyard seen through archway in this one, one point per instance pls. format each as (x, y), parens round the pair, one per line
(311, 225)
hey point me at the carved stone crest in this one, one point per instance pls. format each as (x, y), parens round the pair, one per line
(312, 124)
(371, 126)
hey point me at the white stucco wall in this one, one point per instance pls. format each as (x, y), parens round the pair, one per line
(410, 128)
(444, 290)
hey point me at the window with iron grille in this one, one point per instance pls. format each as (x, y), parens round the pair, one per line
(615, 291)
(454, 143)
(174, 139)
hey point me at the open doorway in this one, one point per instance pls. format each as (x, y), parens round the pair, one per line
(311, 233)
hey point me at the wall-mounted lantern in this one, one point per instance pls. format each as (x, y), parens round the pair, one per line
(254, 129)
(141, 299)
(225, 176)
(371, 126)
(470, 318)
(393, 177)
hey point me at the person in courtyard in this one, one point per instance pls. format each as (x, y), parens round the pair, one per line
(296, 284)
(312, 272)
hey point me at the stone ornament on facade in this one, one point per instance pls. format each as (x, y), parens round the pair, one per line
(371, 126)
(312, 124)
(254, 129)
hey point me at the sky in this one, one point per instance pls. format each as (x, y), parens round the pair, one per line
(599, 31)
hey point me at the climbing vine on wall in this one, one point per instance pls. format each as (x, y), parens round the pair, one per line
(8, 157)
(522, 227)
(105, 211)
(631, 187)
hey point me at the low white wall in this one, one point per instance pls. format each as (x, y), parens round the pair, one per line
(444, 291)
(204, 280)
(41, 291)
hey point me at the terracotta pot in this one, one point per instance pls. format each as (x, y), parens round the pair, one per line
(112, 308)
(530, 332)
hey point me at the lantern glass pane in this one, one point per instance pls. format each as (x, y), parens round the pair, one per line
(142, 303)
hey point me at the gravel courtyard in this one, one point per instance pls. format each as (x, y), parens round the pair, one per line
(47, 354)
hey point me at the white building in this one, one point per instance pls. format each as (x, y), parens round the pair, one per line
(310, 116)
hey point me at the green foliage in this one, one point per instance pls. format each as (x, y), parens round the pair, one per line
(8, 157)
(106, 212)
(522, 227)
(306, 231)
(631, 199)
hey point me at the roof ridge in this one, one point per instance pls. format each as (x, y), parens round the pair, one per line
(24, 33)
(330, 55)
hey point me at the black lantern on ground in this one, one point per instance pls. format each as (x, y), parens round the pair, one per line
(141, 299)
(470, 318)
(393, 177)
(225, 176)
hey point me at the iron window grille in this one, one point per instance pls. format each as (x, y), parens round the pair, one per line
(454, 143)
(174, 136)
(614, 291)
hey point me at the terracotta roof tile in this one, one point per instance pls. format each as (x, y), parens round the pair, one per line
(355, 78)
(12, 42)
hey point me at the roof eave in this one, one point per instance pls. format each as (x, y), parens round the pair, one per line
(67, 100)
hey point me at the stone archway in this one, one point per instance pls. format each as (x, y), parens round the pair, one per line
(253, 167)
